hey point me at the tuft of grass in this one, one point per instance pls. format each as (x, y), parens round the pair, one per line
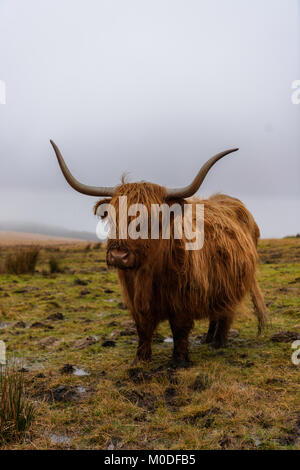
(22, 262)
(242, 397)
(97, 246)
(54, 265)
(16, 412)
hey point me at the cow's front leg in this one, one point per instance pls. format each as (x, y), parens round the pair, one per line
(145, 329)
(181, 329)
(213, 324)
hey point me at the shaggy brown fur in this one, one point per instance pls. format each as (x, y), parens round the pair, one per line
(170, 283)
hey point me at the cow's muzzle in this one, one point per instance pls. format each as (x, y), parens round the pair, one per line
(122, 259)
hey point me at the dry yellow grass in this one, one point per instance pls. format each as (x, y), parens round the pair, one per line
(24, 239)
(242, 397)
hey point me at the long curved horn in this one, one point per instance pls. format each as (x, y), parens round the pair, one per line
(81, 188)
(189, 190)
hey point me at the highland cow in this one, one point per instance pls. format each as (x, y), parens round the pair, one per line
(161, 280)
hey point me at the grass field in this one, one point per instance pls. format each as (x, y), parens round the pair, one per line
(74, 340)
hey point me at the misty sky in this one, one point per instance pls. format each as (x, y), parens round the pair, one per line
(153, 88)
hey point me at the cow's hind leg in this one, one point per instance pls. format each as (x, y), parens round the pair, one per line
(211, 331)
(181, 329)
(221, 336)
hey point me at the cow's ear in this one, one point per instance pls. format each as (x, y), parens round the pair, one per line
(98, 204)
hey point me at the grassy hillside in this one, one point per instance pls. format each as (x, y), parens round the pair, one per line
(62, 325)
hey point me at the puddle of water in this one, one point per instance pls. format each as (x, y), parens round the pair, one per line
(111, 446)
(59, 439)
(80, 372)
(168, 340)
(198, 341)
(257, 442)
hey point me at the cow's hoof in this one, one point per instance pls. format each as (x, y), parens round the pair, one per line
(134, 362)
(208, 339)
(218, 344)
(179, 363)
(139, 360)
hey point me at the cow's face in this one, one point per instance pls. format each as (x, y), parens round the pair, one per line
(128, 253)
(123, 252)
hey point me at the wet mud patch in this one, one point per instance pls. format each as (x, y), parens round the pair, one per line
(85, 342)
(56, 316)
(145, 400)
(285, 337)
(60, 439)
(67, 393)
(173, 399)
(74, 370)
(138, 375)
(108, 343)
(58, 394)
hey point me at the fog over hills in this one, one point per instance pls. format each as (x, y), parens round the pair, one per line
(153, 89)
(31, 227)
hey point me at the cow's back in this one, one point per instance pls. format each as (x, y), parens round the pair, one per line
(236, 209)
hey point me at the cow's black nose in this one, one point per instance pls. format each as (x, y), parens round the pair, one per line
(119, 256)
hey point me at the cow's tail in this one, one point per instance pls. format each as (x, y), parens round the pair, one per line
(260, 309)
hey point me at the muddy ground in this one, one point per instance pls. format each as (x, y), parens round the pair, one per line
(73, 338)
